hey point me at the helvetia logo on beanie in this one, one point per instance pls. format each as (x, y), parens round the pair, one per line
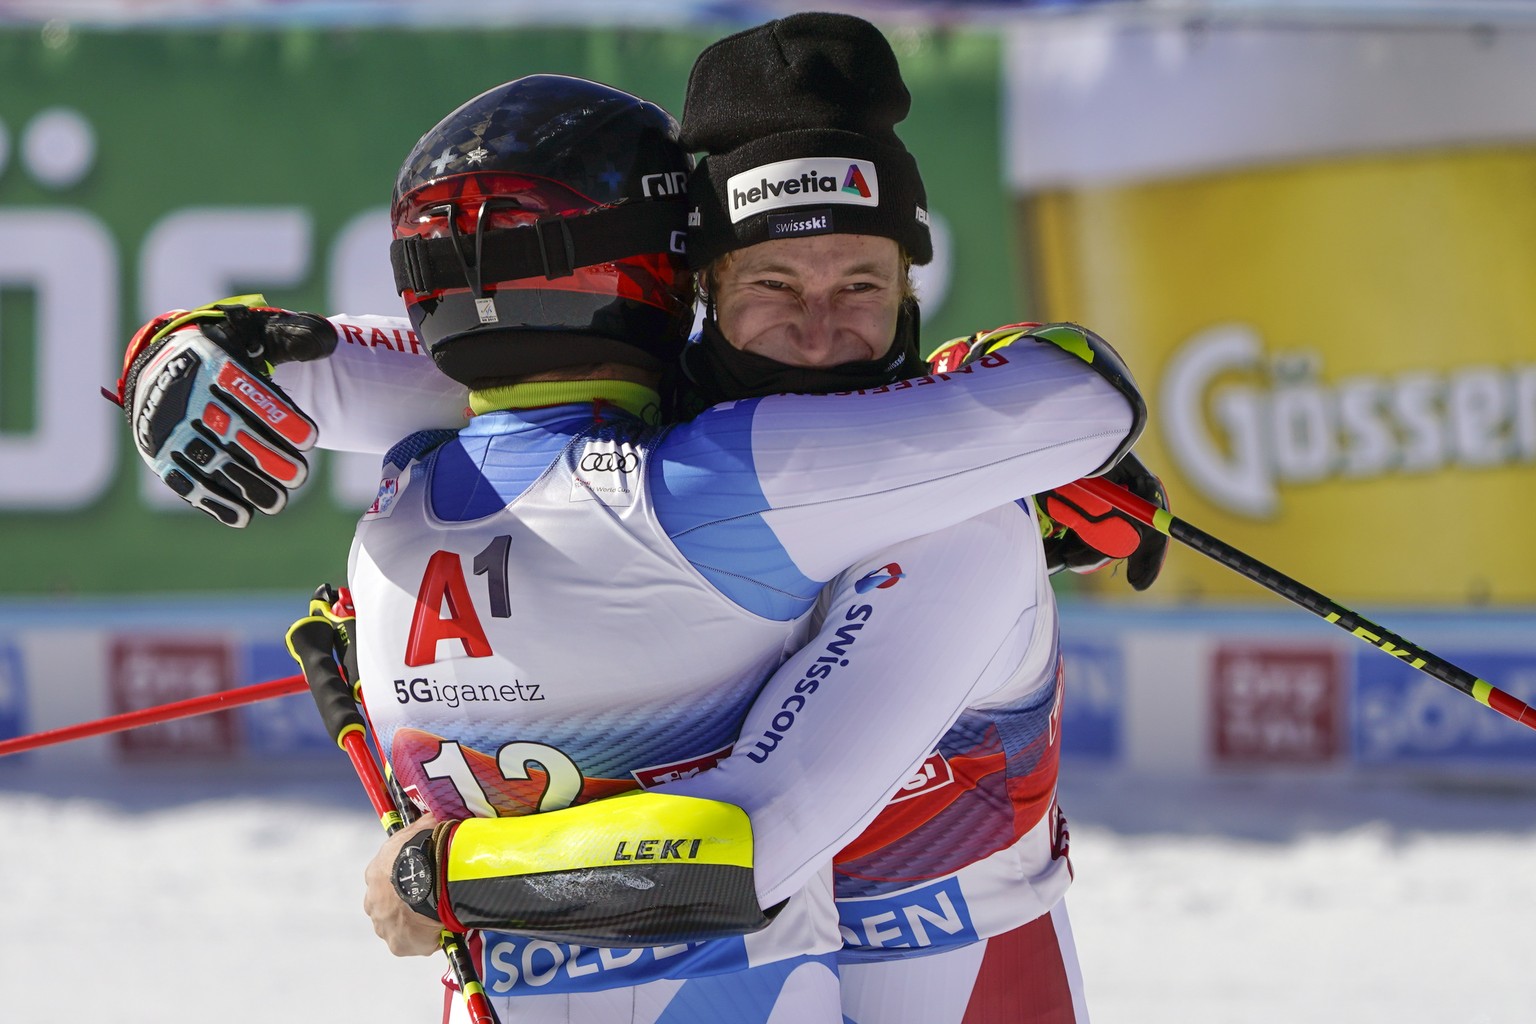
(818, 180)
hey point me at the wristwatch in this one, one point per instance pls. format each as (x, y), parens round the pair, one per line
(415, 875)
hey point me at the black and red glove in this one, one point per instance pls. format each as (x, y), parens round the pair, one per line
(1084, 534)
(203, 410)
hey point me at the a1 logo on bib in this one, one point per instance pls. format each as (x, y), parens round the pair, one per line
(606, 471)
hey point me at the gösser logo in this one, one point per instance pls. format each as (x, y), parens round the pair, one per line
(1244, 422)
(610, 462)
(798, 182)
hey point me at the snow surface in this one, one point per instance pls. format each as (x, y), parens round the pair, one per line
(236, 897)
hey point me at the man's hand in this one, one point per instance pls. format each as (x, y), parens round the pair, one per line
(204, 413)
(406, 932)
(1084, 534)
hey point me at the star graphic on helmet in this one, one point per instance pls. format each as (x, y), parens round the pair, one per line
(477, 155)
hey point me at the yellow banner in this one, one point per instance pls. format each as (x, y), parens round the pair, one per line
(1340, 359)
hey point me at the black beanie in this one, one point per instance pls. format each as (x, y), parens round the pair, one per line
(796, 120)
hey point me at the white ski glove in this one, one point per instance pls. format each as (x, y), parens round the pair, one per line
(204, 412)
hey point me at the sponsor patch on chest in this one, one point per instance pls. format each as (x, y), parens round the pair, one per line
(934, 773)
(606, 471)
(685, 769)
(389, 490)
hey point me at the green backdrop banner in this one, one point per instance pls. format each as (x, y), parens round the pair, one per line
(143, 171)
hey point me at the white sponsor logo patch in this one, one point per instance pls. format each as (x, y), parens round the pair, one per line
(933, 773)
(685, 769)
(607, 472)
(819, 180)
(384, 501)
(669, 183)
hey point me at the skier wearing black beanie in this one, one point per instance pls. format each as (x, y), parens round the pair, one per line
(806, 211)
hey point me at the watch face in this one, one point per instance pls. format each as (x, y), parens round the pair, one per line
(413, 876)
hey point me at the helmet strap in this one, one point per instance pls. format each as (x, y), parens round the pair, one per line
(551, 247)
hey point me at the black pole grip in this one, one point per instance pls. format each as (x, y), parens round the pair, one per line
(312, 642)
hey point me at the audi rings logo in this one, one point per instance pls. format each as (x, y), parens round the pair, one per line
(610, 462)
(606, 471)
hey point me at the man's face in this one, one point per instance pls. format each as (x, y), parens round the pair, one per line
(818, 301)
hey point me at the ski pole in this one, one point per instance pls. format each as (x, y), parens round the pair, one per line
(312, 641)
(1385, 640)
(202, 705)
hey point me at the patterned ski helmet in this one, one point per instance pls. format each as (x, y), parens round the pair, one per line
(542, 225)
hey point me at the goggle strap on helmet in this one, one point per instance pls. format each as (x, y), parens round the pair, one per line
(602, 236)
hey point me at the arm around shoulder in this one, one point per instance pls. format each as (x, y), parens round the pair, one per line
(1075, 339)
(640, 869)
